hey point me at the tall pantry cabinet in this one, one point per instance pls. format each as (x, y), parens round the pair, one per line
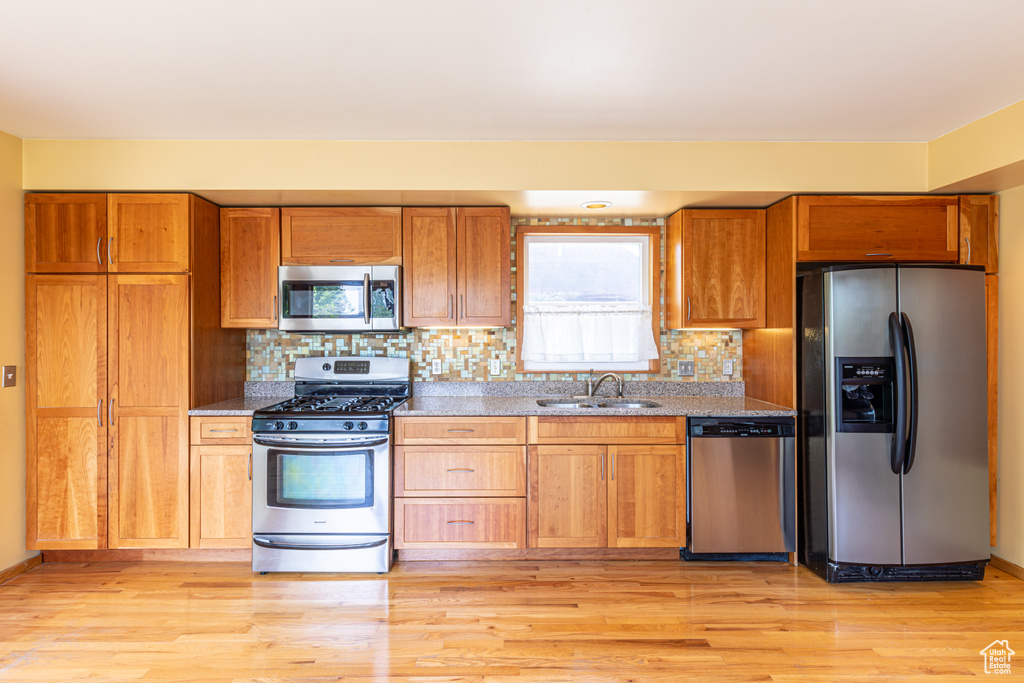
(122, 337)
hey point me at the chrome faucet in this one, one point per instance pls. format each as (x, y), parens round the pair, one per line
(593, 386)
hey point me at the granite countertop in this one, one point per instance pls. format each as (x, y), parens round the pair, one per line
(237, 406)
(527, 405)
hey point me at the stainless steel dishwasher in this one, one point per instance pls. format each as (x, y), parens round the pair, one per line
(741, 485)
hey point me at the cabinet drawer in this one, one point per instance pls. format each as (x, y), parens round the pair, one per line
(554, 429)
(460, 471)
(460, 522)
(460, 430)
(877, 228)
(220, 429)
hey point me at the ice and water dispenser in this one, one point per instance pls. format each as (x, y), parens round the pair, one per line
(865, 394)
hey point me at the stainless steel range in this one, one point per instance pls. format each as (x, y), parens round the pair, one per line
(321, 498)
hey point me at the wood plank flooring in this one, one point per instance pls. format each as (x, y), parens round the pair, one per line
(496, 621)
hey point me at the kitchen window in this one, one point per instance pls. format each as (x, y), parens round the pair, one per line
(588, 300)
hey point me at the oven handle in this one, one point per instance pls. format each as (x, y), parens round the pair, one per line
(315, 446)
(267, 543)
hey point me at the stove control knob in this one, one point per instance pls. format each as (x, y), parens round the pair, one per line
(326, 367)
(293, 425)
(279, 425)
(362, 425)
(348, 425)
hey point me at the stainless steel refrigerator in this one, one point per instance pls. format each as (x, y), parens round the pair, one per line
(893, 426)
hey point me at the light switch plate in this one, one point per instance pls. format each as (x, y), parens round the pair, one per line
(495, 367)
(435, 366)
(685, 368)
(727, 367)
(10, 377)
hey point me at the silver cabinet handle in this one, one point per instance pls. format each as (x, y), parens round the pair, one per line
(613, 466)
(99, 243)
(275, 308)
(462, 306)
(461, 469)
(342, 260)
(879, 254)
(99, 412)
(461, 522)
(110, 413)
(109, 241)
(602, 467)
(462, 430)
(248, 469)
(968, 240)
(451, 300)
(219, 431)
(366, 295)
(687, 308)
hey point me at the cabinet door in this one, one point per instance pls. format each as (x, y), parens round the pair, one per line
(567, 497)
(249, 257)
(979, 231)
(65, 233)
(66, 387)
(723, 261)
(484, 266)
(647, 497)
(148, 333)
(877, 229)
(221, 497)
(148, 233)
(341, 236)
(428, 236)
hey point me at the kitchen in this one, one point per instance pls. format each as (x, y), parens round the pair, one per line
(484, 169)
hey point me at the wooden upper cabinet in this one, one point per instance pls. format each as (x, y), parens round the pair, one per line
(457, 266)
(249, 256)
(877, 229)
(66, 388)
(979, 231)
(148, 233)
(148, 333)
(483, 255)
(716, 268)
(325, 236)
(65, 233)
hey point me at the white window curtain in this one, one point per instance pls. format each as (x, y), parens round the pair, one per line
(619, 333)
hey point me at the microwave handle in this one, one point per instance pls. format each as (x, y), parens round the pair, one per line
(366, 294)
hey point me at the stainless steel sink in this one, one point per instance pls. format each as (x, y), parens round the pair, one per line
(623, 404)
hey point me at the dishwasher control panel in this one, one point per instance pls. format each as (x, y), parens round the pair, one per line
(741, 429)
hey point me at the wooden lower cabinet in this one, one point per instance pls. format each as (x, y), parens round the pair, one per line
(617, 496)
(220, 481)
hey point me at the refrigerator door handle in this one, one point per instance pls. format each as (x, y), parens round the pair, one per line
(898, 448)
(908, 335)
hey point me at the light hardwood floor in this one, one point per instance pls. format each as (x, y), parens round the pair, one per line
(501, 621)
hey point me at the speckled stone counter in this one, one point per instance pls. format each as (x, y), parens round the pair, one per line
(527, 405)
(237, 406)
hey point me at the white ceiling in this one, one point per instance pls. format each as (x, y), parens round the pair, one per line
(859, 70)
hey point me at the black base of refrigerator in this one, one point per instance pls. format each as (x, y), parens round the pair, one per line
(838, 572)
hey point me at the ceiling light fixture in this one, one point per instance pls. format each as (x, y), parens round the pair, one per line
(600, 204)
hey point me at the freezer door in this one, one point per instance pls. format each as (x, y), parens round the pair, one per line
(863, 492)
(945, 493)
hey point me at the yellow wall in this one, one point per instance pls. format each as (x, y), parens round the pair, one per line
(984, 156)
(323, 165)
(1011, 370)
(12, 352)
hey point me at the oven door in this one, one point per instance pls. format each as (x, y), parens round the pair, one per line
(321, 484)
(338, 298)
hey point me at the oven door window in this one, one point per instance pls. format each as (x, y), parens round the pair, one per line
(323, 300)
(329, 480)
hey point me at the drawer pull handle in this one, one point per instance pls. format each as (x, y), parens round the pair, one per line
(218, 431)
(879, 254)
(462, 430)
(342, 260)
(460, 522)
(461, 469)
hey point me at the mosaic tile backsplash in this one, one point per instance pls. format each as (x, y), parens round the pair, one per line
(464, 353)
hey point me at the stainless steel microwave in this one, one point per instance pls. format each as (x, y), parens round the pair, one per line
(339, 298)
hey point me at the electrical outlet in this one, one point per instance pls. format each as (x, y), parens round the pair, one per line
(727, 367)
(435, 366)
(685, 368)
(495, 367)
